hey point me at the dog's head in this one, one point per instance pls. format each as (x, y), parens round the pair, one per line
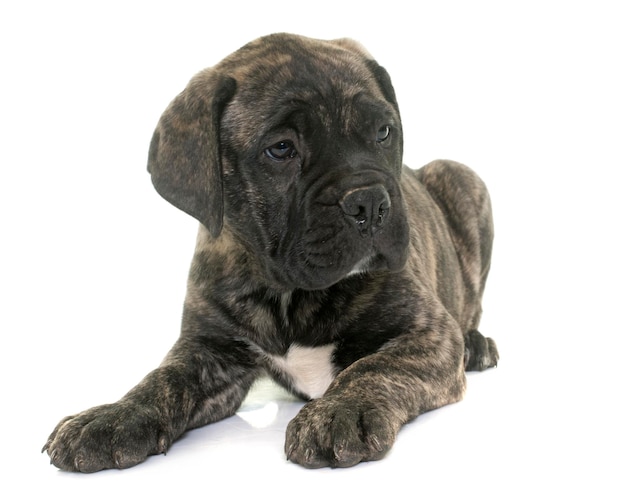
(295, 146)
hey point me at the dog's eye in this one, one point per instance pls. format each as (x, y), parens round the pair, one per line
(282, 150)
(383, 134)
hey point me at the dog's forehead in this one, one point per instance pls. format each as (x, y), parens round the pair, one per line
(293, 55)
(284, 72)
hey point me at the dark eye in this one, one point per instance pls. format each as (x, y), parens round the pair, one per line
(383, 134)
(282, 150)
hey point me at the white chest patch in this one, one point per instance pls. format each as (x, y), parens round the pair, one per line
(310, 368)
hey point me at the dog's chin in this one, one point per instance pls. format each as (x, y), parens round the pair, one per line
(315, 278)
(361, 267)
(323, 278)
(320, 280)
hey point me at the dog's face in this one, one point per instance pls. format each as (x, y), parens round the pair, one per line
(295, 145)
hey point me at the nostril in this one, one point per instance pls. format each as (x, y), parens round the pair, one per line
(353, 203)
(361, 218)
(382, 214)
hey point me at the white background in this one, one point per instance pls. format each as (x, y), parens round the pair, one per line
(93, 263)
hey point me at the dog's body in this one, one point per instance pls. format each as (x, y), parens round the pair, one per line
(322, 260)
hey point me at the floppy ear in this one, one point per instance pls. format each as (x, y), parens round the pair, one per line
(380, 74)
(184, 158)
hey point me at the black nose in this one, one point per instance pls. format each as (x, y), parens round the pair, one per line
(367, 208)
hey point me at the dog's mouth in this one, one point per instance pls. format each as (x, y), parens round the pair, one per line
(342, 230)
(324, 257)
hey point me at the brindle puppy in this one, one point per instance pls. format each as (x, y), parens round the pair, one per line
(352, 280)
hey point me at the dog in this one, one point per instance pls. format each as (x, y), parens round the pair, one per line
(321, 261)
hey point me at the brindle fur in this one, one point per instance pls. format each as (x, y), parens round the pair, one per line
(280, 261)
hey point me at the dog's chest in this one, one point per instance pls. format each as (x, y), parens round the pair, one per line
(310, 369)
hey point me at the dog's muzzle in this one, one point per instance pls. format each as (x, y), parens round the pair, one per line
(366, 208)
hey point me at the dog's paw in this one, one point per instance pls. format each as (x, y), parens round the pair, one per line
(480, 352)
(336, 432)
(116, 435)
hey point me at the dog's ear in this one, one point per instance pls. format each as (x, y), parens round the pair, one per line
(384, 82)
(380, 74)
(184, 158)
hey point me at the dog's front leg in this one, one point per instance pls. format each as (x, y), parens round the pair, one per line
(361, 413)
(203, 379)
